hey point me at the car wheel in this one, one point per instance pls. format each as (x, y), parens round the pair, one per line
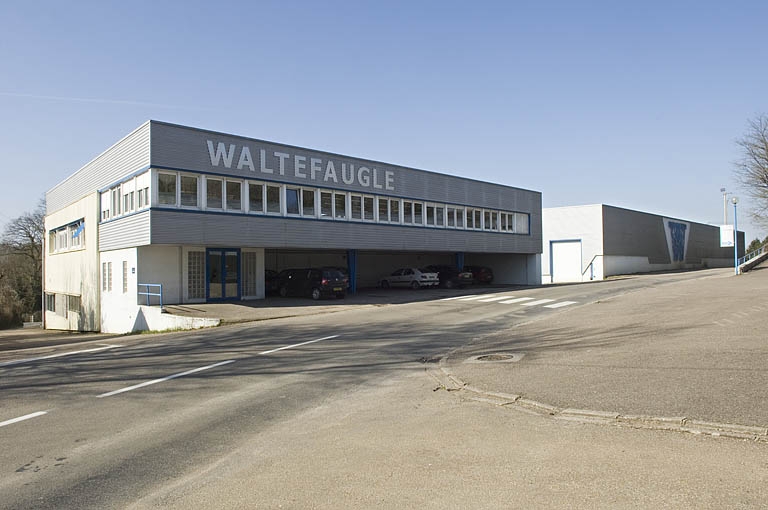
(315, 293)
(283, 292)
(384, 284)
(415, 285)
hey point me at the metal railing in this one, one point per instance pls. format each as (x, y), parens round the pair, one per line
(150, 294)
(591, 268)
(753, 254)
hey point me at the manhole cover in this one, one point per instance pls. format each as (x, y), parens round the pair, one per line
(496, 357)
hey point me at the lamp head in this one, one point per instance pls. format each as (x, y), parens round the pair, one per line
(735, 200)
(722, 190)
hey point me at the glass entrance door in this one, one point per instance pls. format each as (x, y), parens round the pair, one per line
(223, 274)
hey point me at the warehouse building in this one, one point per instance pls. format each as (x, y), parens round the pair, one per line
(593, 242)
(198, 216)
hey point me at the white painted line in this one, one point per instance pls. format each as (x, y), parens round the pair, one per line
(457, 297)
(560, 304)
(516, 300)
(538, 302)
(491, 300)
(174, 376)
(472, 298)
(22, 418)
(298, 345)
(29, 360)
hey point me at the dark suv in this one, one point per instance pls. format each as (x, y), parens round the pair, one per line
(312, 282)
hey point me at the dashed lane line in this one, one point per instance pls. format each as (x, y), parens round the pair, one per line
(459, 297)
(537, 302)
(516, 300)
(200, 369)
(22, 418)
(59, 355)
(560, 304)
(495, 298)
(174, 376)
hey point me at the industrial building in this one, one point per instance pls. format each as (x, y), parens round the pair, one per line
(198, 216)
(593, 242)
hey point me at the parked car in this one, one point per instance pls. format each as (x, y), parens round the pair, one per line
(481, 274)
(271, 281)
(451, 277)
(410, 277)
(312, 282)
(344, 272)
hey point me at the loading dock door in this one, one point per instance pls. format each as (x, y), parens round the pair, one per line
(565, 257)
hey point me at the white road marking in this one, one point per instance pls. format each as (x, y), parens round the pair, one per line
(538, 302)
(560, 304)
(174, 376)
(22, 418)
(472, 298)
(516, 300)
(29, 360)
(496, 298)
(457, 297)
(298, 345)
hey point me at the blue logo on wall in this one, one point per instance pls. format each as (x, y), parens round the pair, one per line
(677, 233)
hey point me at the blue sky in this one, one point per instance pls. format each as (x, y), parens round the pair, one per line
(634, 105)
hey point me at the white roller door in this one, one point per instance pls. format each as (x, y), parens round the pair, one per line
(566, 261)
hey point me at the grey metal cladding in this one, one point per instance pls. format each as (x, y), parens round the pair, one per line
(125, 232)
(126, 156)
(633, 233)
(186, 148)
(210, 229)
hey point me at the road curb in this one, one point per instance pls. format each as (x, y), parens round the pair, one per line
(451, 382)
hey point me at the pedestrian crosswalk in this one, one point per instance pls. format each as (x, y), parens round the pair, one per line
(511, 299)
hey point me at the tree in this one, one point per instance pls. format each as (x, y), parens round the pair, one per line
(752, 169)
(21, 257)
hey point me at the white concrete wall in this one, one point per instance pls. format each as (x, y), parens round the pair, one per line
(119, 306)
(75, 272)
(583, 223)
(162, 264)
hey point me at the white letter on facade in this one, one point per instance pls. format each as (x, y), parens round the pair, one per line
(299, 163)
(221, 151)
(364, 176)
(264, 168)
(330, 172)
(376, 179)
(282, 156)
(315, 165)
(245, 159)
(389, 179)
(344, 173)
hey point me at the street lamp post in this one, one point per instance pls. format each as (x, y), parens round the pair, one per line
(734, 201)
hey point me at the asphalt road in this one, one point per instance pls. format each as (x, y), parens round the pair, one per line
(180, 419)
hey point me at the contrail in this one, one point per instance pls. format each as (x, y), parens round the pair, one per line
(96, 100)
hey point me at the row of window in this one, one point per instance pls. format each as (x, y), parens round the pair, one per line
(214, 193)
(126, 197)
(66, 238)
(106, 276)
(60, 304)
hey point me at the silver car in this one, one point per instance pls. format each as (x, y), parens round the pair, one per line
(410, 277)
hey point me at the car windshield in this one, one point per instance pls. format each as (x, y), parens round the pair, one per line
(425, 270)
(332, 273)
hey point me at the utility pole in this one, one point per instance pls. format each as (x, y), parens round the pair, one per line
(725, 206)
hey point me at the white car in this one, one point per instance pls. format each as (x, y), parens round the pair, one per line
(410, 277)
